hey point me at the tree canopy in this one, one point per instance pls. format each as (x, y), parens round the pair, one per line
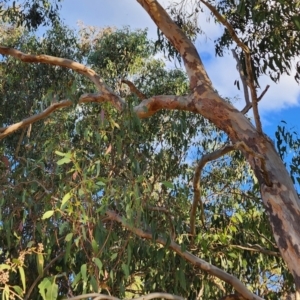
(124, 178)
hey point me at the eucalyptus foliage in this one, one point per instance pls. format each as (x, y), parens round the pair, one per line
(61, 175)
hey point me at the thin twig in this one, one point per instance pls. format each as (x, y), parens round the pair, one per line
(257, 248)
(249, 105)
(196, 183)
(134, 89)
(263, 93)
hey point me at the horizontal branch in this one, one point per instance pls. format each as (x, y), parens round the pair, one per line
(232, 297)
(5, 131)
(194, 260)
(196, 183)
(96, 296)
(149, 107)
(145, 109)
(257, 248)
(69, 64)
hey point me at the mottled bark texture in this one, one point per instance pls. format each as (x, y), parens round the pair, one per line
(278, 193)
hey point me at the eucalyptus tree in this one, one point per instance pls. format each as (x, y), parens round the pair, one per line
(96, 200)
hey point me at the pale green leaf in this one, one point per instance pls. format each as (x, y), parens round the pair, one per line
(48, 214)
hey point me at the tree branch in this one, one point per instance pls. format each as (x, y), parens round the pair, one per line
(257, 248)
(247, 53)
(149, 107)
(194, 260)
(96, 296)
(242, 76)
(249, 105)
(233, 297)
(192, 61)
(196, 183)
(70, 64)
(134, 89)
(45, 113)
(145, 109)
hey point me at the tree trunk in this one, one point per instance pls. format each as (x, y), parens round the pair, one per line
(278, 193)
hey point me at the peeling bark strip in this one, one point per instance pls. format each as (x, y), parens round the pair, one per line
(194, 260)
(280, 199)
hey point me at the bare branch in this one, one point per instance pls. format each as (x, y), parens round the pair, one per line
(145, 109)
(249, 70)
(233, 297)
(96, 296)
(196, 183)
(70, 64)
(134, 89)
(249, 105)
(242, 76)
(194, 260)
(149, 107)
(257, 248)
(263, 93)
(55, 106)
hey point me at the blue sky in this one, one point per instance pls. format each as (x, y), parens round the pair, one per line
(282, 101)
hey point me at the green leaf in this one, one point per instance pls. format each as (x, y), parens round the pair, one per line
(64, 160)
(68, 154)
(52, 291)
(125, 269)
(94, 284)
(95, 246)
(18, 290)
(60, 153)
(114, 256)
(76, 280)
(48, 289)
(239, 217)
(68, 237)
(22, 275)
(168, 184)
(5, 295)
(83, 270)
(40, 263)
(98, 263)
(48, 214)
(66, 198)
(4, 267)
(233, 255)
(101, 183)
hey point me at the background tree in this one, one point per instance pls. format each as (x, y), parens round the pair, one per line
(94, 200)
